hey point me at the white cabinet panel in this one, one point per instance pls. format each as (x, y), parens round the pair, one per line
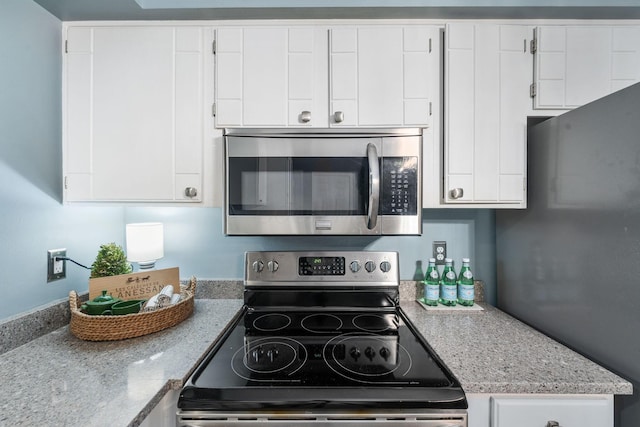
(577, 64)
(269, 76)
(133, 112)
(588, 65)
(489, 70)
(380, 72)
(536, 410)
(369, 76)
(384, 75)
(78, 112)
(264, 76)
(531, 411)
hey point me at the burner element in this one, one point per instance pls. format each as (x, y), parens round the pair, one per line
(374, 322)
(321, 323)
(271, 322)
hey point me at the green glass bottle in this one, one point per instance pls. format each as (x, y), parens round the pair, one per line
(431, 284)
(466, 291)
(448, 285)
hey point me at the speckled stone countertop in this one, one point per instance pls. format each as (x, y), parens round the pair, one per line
(491, 352)
(58, 379)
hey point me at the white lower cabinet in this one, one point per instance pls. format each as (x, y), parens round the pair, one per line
(540, 410)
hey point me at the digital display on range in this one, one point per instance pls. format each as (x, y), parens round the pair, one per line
(321, 266)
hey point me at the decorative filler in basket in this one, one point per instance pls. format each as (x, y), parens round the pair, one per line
(139, 285)
(111, 327)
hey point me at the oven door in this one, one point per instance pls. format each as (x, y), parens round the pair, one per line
(320, 184)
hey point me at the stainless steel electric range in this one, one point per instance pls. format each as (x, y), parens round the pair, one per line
(322, 340)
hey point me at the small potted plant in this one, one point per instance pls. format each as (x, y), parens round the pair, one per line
(110, 261)
(112, 272)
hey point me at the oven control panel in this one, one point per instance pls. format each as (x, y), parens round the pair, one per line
(321, 266)
(326, 267)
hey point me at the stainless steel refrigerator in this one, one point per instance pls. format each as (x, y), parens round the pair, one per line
(569, 265)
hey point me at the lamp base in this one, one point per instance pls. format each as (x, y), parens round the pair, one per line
(147, 265)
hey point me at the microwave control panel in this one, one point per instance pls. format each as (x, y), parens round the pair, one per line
(399, 186)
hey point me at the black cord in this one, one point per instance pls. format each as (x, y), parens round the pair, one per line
(64, 258)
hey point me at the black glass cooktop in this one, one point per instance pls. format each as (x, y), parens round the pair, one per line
(327, 359)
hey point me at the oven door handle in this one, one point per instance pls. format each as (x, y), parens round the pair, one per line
(374, 186)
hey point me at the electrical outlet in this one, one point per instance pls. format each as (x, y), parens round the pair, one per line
(440, 252)
(56, 268)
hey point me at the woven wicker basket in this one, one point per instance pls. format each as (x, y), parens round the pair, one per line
(112, 328)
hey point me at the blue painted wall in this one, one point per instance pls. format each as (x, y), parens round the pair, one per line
(33, 219)
(194, 241)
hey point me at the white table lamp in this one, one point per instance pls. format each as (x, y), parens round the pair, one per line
(145, 243)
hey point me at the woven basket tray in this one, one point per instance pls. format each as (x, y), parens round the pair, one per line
(112, 328)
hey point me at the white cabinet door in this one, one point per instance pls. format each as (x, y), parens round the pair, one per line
(488, 73)
(133, 117)
(531, 411)
(575, 65)
(370, 76)
(271, 77)
(383, 75)
(536, 410)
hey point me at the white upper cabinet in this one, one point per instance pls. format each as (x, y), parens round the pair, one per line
(384, 76)
(133, 114)
(317, 77)
(575, 65)
(488, 71)
(271, 77)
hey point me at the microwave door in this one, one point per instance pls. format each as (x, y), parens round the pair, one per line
(281, 186)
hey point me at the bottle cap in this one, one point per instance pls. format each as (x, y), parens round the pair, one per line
(432, 260)
(448, 260)
(465, 259)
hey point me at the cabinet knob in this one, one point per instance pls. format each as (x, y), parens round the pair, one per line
(553, 424)
(338, 116)
(190, 192)
(305, 116)
(456, 193)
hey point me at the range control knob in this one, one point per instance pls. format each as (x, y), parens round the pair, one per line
(354, 266)
(355, 353)
(256, 354)
(384, 352)
(272, 266)
(258, 266)
(272, 354)
(370, 353)
(370, 266)
(385, 266)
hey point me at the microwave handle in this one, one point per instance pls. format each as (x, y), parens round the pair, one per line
(374, 186)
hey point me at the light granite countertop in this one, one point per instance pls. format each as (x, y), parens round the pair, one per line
(491, 352)
(58, 379)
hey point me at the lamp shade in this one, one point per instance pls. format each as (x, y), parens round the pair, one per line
(145, 242)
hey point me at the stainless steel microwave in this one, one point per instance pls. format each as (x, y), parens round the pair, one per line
(342, 182)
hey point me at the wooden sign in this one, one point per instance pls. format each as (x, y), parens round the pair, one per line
(139, 285)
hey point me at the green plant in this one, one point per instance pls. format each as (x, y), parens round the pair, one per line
(110, 261)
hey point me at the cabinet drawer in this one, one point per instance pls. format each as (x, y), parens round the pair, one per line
(531, 411)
